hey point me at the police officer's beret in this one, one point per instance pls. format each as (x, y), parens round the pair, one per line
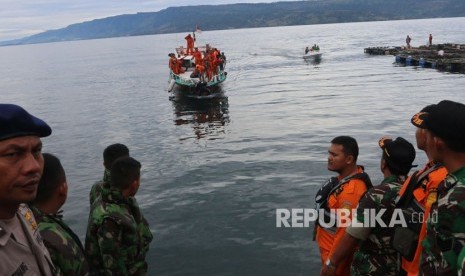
(418, 119)
(15, 122)
(399, 153)
(447, 121)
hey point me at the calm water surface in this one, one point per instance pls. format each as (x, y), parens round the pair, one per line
(215, 171)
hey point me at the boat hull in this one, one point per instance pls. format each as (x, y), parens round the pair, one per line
(185, 80)
(314, 56)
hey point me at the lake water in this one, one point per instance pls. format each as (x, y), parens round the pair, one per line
(214, 172)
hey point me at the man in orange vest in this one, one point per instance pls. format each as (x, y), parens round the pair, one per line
(375, 256)
(444, 244)
(341, 192)
(424, 191)
(175, 64)
(190, 44)
(197, 56)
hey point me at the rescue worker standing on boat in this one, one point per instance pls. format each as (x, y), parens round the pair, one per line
(341, 192)
(190, 44)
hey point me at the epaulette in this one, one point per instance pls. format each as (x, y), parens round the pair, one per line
(24, 211)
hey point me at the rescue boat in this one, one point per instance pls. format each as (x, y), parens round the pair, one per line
(193, 82)
(314, 55)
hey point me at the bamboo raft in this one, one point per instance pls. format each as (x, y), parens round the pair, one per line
(443, 57)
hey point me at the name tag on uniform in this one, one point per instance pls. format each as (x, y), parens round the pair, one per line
(21, 270)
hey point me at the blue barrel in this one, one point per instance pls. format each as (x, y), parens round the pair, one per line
(422, 63)
(408, 61)
(398, 59)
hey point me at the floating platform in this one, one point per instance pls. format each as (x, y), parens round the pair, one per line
(443, 57)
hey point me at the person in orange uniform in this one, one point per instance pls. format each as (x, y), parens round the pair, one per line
(215, 61)
(175, 64)
(424, 194)
(197, 56)
(190, 44)
(341, 192)
(208, 61)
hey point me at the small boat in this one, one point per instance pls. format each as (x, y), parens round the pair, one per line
(313, 55)
(193, 82)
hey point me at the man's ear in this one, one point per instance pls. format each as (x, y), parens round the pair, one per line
(63, 188)
(439, 144)
(350, 159)
(134, 187)
(383, 164)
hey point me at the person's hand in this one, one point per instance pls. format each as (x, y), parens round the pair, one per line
(328, 271)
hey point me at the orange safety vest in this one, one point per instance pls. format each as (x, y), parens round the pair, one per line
(345, 197)
(425, 195)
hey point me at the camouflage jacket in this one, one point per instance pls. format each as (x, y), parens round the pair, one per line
(445, 237)
(118, 236)
(99, 186)
(65, 248)
(375, 255)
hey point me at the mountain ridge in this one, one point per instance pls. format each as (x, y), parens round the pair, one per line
(248, 15)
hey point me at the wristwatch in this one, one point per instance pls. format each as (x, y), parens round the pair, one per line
(329, 264)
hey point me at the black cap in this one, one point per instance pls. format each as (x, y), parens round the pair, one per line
(15, 122)
(447, 121)
(399, 154)
(418, 119)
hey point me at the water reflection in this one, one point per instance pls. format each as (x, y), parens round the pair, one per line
(313, 61)
(207, 117)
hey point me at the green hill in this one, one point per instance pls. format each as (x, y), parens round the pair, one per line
(218, 17)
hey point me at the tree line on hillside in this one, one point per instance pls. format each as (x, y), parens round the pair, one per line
(232, 16)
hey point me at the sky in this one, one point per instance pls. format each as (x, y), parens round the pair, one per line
(21, 18)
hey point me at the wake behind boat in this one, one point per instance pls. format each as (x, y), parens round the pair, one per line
(197, 71)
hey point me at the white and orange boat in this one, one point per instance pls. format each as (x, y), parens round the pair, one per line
(190, 79)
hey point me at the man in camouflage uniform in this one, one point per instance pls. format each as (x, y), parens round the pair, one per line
(115, 243)
(110, 154)
(375, 255)
(445, 236)
(22, 251)
(63, 244)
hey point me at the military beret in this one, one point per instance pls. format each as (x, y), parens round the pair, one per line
(15, 122)
(447, 121)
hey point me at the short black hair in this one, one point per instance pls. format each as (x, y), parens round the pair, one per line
(124, 171)
(113, 152)
(349, 145)
(52, 177)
